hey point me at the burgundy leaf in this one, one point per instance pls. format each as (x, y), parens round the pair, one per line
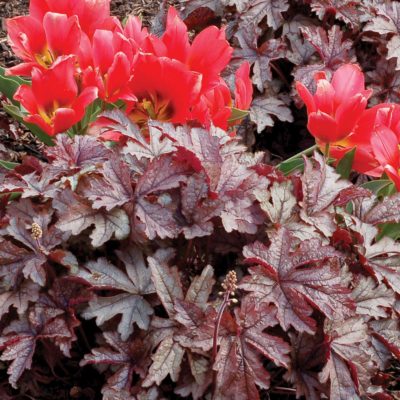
(321, 186)
(371, 299)
(297, 281)
(238, 365)
(166, 360)
(256, 10)
(130, 304)
(76, 154)
(347, 358)
(388, 332)
(158, 145)
(260, 56)
(263, 108)
(126, 357)
(307, 355)
(115, 189)
(387, 22)
(332, 49)
(166, 279)
(76, 214)
(348, 11)
(201, 287)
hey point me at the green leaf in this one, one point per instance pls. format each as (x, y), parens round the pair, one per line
(237, 114)
(289, 166)
(377, 186)
(8, 164)
(10, 84)
(391, 230)
(345, 164)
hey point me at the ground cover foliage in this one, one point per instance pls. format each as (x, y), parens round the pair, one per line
(140, 239)
(178, 263)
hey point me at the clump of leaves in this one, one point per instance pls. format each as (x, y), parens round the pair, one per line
(111, 255)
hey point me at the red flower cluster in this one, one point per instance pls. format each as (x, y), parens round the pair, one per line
(337, 115)
(76, 52)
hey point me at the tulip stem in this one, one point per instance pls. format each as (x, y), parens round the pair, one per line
(326, 152)
(306, 152)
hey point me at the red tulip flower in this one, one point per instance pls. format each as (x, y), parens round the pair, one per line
(166, 90)
(208, 54)
(53, 100)
(336, 106)
(111, 68)
(215, 106)
(385, 145)
(41, 43)
(373, 121)
(92, 14)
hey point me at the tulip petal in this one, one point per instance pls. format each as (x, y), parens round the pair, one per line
(64, 118)
(63, 34)
(26, 36)
(243, 87)
(307, 97)
(25, 96)
(118, 76)
(349, 112)
(57, 83)
(39, 121)
(324, 96)
(209, 54)
(385, 146)
(394, 175)
(323, 127)
(347, 81)
(87, 96)
(175, 36)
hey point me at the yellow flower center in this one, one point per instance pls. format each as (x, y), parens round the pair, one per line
(153, 106)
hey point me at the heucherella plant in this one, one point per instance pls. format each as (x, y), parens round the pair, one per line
(156, 257)
(163, 78)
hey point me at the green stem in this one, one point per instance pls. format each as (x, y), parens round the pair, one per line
(326, 152)
(306, 152)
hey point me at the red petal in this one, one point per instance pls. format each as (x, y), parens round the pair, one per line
(175, 36)
(103, 50)
(349, 112)
(170, 79)
(63, 119)
(63, 34)
(243, 87)
(323, 127)
(25, 96)
(385, 146)
(87, 96)
(347, 81)
(394, 175)
(26, 36)
(324, 96)
(118, 76)
(209, 54)
(306, 96)
(23, 69)
(38, 120)
(55, 84)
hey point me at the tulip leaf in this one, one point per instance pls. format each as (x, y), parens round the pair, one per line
(376, 186)
(345, 164)
(289, 166)
(10, 84)
(391, 230)
(237, 114)
(8, 164)
(15, 112)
